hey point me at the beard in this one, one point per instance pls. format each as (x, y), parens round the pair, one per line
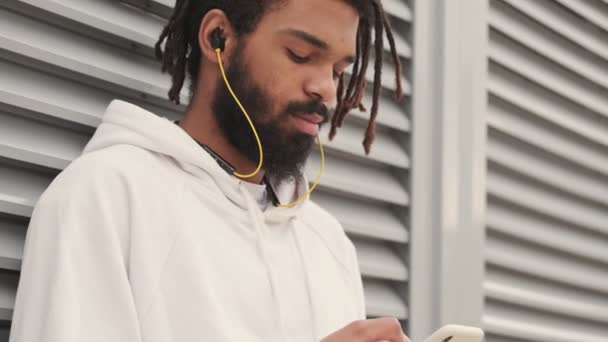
(285, 153)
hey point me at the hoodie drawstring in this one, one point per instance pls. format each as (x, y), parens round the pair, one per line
(251, 209)
(313, 315)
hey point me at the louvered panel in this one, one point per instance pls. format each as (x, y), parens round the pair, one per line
(532, 98)
(31, 40)
(379, 261)
(38, 142)
(20, 189)
(8, 289)
(546, 42)
(366, 219)
(348, 177)
(507, 152)
(12, 238)
(510, 218)
(384, 300)
(386, 149)
(547, 152)
(593, 11)
(566, 23)
(62, 62)
(506, 52)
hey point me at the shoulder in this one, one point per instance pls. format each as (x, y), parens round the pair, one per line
(113, 175)
(330, 231)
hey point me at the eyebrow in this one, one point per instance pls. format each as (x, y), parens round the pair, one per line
(312, 40)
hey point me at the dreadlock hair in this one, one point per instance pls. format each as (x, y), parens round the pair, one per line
(182, 50)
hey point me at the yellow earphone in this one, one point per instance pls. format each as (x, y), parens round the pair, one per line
(217, 42)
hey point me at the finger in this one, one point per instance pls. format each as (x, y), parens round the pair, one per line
(379, 329)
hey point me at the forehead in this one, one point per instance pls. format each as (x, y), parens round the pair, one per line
(333, 21)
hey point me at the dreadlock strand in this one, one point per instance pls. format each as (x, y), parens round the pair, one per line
(353, 79)
(360, 82)
(370, 133)
(176, 47)
(339, 107)
(396, 60)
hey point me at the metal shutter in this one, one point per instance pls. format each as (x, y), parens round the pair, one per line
(547, 215)
(62, 62)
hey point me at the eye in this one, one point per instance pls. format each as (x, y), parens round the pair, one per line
(337, 75)
(297, 58)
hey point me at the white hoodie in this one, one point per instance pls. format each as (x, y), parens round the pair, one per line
(145, 238)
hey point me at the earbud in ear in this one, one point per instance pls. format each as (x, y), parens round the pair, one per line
(217, 39)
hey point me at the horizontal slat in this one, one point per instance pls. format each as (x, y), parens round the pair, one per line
(513, 56)
(539, 301)
(382, 300)
(358, 180)
(378, 260)
(532, 162)
(390, 113)
(4, 334)
(39, 143)
(12, 239)
(61, 98)
(566, 23)
(398, 8)
(519, 223)
(510, 120)
(364, 219)
(547, 288)
(544, 201)
(530, 331)
(20, 189)
(108, 20)
(546, 42)
(536, 100)
(593, 11)
(93, 60)
(544, 263)
(348, 142)
(387, 77)
(8, 290)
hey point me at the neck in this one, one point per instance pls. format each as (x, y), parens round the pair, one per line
(199, 122)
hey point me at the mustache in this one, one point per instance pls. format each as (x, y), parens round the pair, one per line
(310, 107)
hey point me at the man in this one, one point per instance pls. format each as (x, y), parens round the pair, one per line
(160, 231)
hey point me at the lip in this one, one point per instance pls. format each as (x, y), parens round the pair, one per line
(308, 124)
(313, 118)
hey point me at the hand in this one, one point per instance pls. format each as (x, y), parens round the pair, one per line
(370, 330)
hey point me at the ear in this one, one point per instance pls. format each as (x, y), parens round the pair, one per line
(212, 20)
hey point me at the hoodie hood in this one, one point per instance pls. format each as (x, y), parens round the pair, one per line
(125, 123)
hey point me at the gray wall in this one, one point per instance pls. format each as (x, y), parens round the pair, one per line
(62, 61)
(547, 214)
(510, 168)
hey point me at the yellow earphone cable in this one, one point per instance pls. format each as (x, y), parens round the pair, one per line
(257, 138)
(314, 185)
(255, 132)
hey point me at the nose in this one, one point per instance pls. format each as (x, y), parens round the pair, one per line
(321, 86)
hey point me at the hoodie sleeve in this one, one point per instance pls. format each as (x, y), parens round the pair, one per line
(74, 282)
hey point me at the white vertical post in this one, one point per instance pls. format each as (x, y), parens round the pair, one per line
(448, 164)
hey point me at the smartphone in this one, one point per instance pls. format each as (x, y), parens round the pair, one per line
(456, 333)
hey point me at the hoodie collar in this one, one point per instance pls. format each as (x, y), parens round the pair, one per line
(125, 123)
